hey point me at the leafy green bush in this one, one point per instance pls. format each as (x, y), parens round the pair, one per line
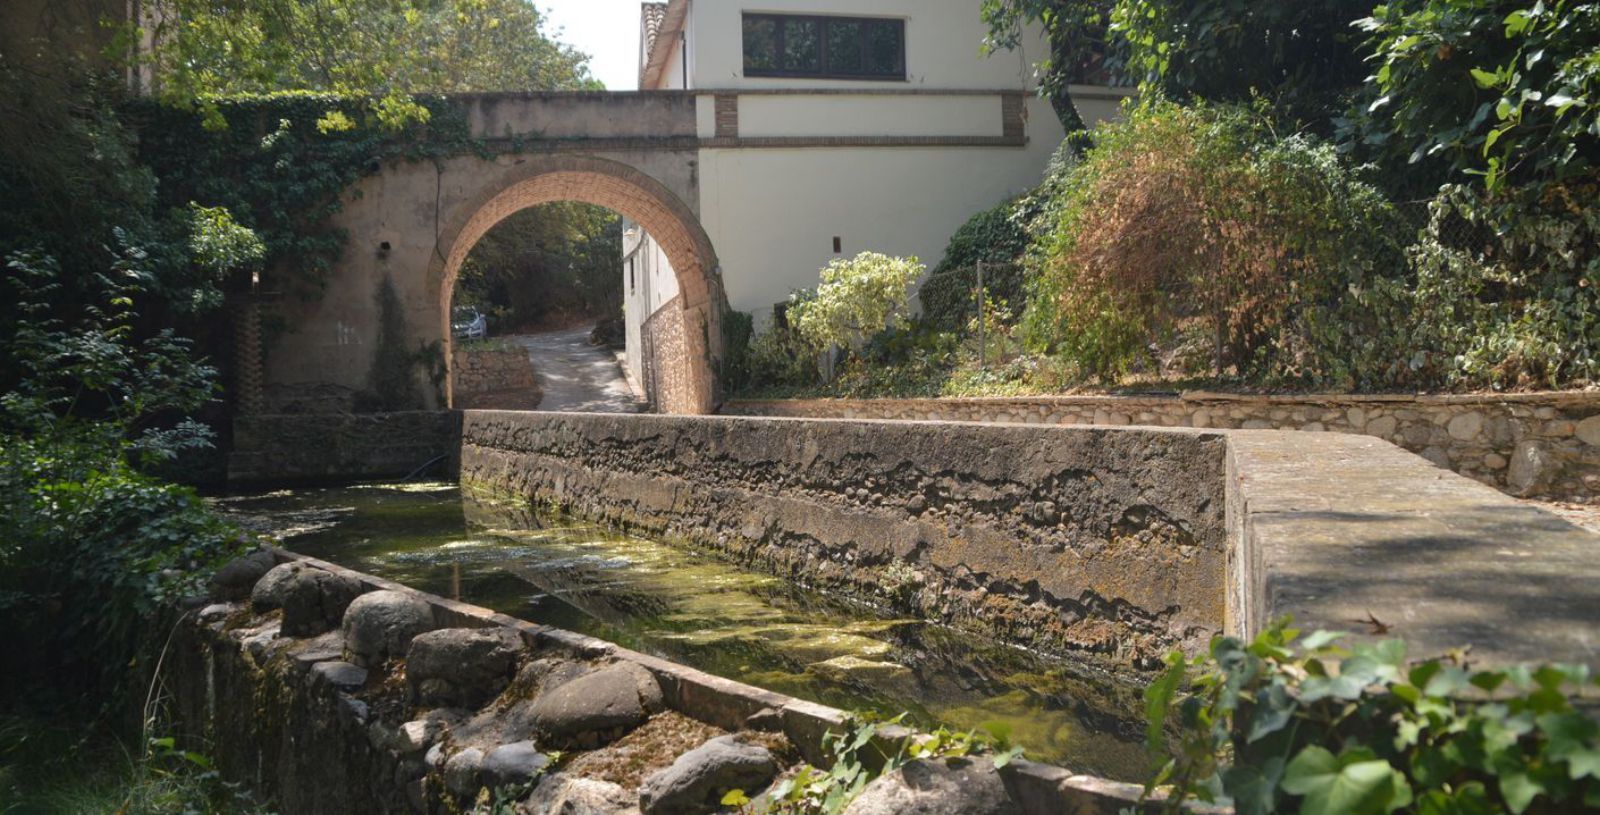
(1503, 89)
(1506, 293)
(1194, 239)
(858, 297)
(996, 236)
(1276, 725)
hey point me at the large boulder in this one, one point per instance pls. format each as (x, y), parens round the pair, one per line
(513, 765)
(696, 782)
(267, 594)
(314, 601)
(462, 771)
(380, 625)
(461, 667)
(595, 708)
(953, 786)
(563, 794)
(235, 581)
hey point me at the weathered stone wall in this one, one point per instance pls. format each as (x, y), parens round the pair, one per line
(291, 448)
(1525, 444)
(1104, 542)
(478, 369)
(330, 691)
(670, 383)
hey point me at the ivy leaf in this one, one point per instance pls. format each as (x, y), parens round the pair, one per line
(1484, 78)
(1254, 789)
(1273, 709)
(1351, 783)
(1519, 790)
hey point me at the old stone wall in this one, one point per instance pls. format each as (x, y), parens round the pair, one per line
(479, 369)
(329, 691)
(1101, 542)
(288, 448)
(670, 383)
(1526, 444)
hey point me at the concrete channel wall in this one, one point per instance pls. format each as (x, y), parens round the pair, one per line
(1103, 542)
(331, 447)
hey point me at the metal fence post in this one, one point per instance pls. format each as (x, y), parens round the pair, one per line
(982, 357)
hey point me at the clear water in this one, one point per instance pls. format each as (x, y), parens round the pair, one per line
(698, 610)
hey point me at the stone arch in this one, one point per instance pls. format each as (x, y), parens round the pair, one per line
(689, 333)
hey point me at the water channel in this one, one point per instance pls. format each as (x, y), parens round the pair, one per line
(698, 610)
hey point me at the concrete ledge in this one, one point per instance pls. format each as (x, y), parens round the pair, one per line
(1341, 530)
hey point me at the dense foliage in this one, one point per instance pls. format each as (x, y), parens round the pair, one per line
(994, 236)
(382, 49)
(858, 297)
(548, 265)
(1280, 724)
(1505, 90)
(1193, 239)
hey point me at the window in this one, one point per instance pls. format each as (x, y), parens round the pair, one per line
(824, 47)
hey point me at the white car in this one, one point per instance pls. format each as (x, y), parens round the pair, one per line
(467, 323)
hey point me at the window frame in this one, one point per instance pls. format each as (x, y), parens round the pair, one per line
(824, 71)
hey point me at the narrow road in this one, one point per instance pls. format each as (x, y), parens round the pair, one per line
(576, 376)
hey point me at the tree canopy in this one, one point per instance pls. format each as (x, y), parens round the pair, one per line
(385, 49)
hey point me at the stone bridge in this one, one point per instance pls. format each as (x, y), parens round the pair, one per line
(412, 224)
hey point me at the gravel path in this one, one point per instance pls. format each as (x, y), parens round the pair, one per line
(576, 376)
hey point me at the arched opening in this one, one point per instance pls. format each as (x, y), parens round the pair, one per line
(680, 337)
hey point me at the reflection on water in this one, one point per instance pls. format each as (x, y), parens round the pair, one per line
(697, 610)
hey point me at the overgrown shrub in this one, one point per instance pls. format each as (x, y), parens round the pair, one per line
(858, 297)
(1506, 294)
(1285, 725)
(1195, 239)
(995, 236)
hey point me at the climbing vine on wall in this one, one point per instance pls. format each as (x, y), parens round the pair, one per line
(281, 164)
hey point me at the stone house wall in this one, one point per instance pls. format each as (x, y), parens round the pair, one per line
(489, 369)
(1537, 444)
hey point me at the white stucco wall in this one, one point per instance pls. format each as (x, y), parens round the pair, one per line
(648, 282)
(772, 214)
(869, 115)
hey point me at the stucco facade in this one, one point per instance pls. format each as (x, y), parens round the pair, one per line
(797, 171)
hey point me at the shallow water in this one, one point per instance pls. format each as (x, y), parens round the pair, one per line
(697, 610)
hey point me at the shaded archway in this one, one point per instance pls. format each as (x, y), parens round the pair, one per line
(684, 333)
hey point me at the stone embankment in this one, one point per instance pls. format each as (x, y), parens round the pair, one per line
(329, 691)
(1535, 444)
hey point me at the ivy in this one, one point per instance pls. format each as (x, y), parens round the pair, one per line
(1280, 724)
(274, 164)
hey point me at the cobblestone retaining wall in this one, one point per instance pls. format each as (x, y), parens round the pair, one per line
(475, 370)
(364, 707)
(1544, 444)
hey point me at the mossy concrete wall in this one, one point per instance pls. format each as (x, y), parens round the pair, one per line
(1098, 541)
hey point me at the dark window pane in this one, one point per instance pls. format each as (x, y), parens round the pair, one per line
(885, 48)
(760, 44)
(844, 47)
(802, 46)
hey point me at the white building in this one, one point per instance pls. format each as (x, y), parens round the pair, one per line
(839, 126)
